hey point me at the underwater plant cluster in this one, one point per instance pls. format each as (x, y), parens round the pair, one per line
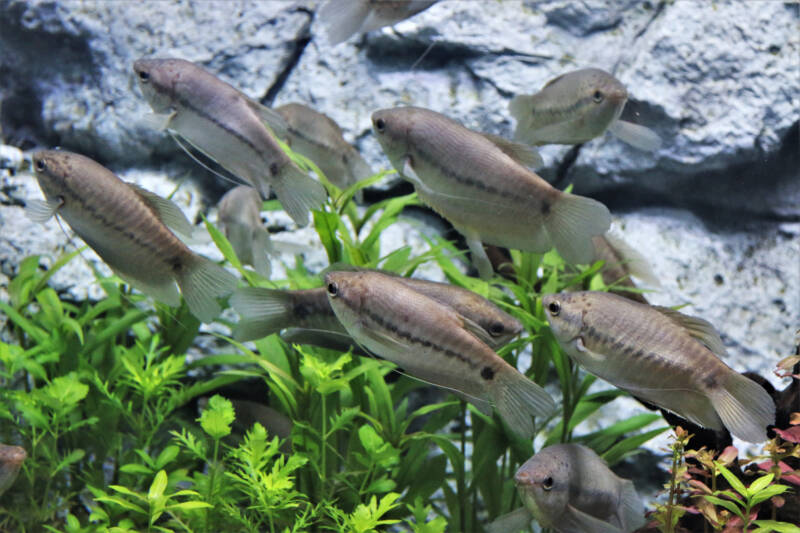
(538, 303)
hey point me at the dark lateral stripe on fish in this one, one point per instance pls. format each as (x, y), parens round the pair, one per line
(310, 140)
(184, 102)
(566, 110)
(431, 160)
(413, 339)
(114, 225)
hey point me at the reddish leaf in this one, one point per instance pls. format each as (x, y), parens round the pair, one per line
(791, 478)
(791, 435)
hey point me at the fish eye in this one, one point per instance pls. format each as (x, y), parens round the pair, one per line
(598, 96)
(144, 76)
(380, 125)
(496, 329)
(40, 165)
(554, 308)
(333, 290)
(548, 483)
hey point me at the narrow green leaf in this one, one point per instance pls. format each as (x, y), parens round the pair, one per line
(158, 486)
(734, 482)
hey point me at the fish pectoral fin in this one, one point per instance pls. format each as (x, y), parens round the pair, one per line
(581, 347)
(516, 520)
(523, 154)
(475, 328)
(166, 211)
(42, 210)
(273, 120)
(698, 328)
(637, 136)
(158, 121)
(574, 520)
(409, 172)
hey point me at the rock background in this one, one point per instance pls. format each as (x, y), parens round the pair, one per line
(716, 210)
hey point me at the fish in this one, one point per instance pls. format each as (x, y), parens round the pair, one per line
(621, 263)
(480, 185)
(433, 343)
(11, 459)
(230, 128)
(662, 356)
(569, 489)
(341, 20)
(319, 138)
(575, 108)
(128, 227)
(239, 219)
(266, 311)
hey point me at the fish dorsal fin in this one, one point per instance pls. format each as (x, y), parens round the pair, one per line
(271, 118)
(516, 520)
(523, 154)
(574, 520)
(553, 81)
(698, 328)
(166, 211)
(41, 210)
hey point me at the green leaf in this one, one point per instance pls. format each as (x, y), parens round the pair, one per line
(217, 417)
(188, 506)
(767, 493)
(759, 484)
(734, 482)
(158, 486)
(326, 225)
(732, 507)
(773, 526)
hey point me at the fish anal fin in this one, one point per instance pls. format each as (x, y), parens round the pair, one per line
(262, 246)
(165, 292)
(700, 329)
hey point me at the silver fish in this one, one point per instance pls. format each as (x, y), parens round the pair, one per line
(568, 488)
(11, 459)
(478, 185)
(237, 132)
(342, 19)
(239, 214)
(575, 108)
(662, 356)
(128, 228)
(266, 311)
(319, 138)
(621, 263)
(432, 342)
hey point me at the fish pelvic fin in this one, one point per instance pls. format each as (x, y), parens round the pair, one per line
(744, 406)
(631, 509)
(571, 223)
(519, 400)
(262, 247)
(516, 520)
(299, 193)
(201, 282)
(479, 257)
(262, 311)
(342, 19)
(637, 136)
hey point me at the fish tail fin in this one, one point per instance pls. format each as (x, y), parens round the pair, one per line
(571, 223)
(634, 262)
(262, 247)
(519, 400)
(744, 406)
(263, 312)
(631, 509)
(299, 193)
(342, 19)
(201, 282)
(521, 108)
